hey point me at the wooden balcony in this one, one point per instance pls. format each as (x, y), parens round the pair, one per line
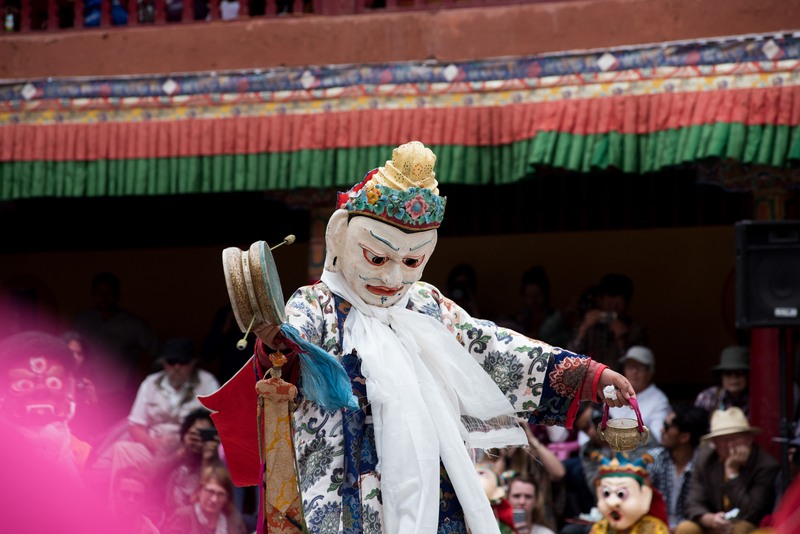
(58, 15)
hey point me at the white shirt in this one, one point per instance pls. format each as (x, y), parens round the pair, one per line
(654, 407)
(161, 408)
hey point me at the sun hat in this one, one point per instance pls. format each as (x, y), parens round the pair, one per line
(727, 422)
(178, 349)
(733, 358)
(640, 354)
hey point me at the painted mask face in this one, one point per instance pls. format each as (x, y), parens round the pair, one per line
(623, 501)
(381, 262)
(39, 391)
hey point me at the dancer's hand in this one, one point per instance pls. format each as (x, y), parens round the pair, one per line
(622, 388)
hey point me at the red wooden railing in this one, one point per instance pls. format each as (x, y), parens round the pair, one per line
(60, 15)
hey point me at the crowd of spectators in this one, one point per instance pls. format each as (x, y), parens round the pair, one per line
(737, 486)
(148, 459)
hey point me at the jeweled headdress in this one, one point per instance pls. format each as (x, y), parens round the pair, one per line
(403, 192)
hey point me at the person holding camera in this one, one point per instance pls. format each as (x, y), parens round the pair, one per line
(162, 402)
(527, 502)
(180, 474)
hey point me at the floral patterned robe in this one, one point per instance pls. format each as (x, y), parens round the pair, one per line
(336, 456)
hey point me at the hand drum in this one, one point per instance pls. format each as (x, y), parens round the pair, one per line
(254, 288)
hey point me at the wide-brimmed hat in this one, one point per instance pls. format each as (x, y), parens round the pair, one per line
(735, 358)
(730, 421)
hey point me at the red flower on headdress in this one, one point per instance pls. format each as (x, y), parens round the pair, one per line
(416, 207)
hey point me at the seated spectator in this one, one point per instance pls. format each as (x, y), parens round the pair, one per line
(523, 495)
(229, 9)
(88, 421)
(180, 475)
(535, 461)
(166, 397)
(733, 482)
(671, 469)
(639, 367)
(212, 508)
(163, 401)
(537, 317)
(462, 288)
(92, 10)
(122, 344)
(129, 498)
(608, 330)
(733, 387)
(535, 457)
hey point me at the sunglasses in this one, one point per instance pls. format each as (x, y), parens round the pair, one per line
(174, 361)
(735, 373)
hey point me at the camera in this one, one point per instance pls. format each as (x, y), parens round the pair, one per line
(209, 434)
(608, 317)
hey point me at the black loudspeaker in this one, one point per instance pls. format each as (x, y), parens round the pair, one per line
(767, 273)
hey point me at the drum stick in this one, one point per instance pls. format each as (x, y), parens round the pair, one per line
(242, 343)
(288, 240)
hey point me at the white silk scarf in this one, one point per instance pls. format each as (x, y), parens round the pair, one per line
(420, 381)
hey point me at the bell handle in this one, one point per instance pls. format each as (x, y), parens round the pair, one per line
(604, 420)
(644, 435)
(635, 405)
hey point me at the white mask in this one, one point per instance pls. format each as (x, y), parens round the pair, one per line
(623, 501)
(379, 261)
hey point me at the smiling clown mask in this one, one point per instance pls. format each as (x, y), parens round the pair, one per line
(626, 498)
(384, 229)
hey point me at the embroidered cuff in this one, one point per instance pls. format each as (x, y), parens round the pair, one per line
(591, 380)
(580, 395)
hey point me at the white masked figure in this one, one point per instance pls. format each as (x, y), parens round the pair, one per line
(431, 381)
